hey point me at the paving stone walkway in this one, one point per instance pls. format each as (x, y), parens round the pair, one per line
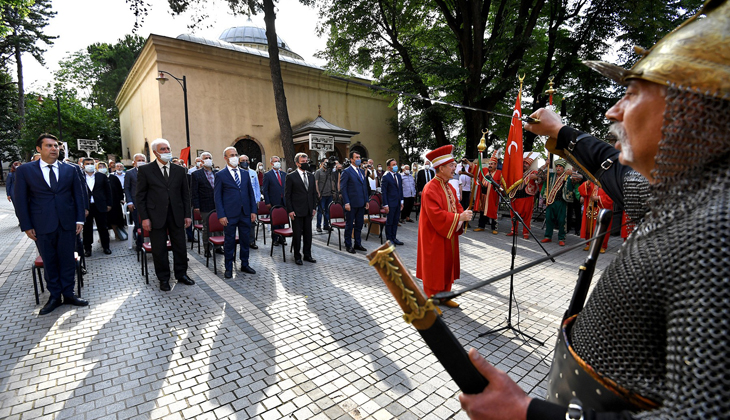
(319, 341)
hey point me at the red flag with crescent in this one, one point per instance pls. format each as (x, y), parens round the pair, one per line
(512, 167)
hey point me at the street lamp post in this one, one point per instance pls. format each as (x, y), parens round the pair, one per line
(183, 83)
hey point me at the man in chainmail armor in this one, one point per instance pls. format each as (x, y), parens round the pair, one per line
(653, 340)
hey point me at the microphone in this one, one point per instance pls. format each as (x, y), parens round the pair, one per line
(493, 182)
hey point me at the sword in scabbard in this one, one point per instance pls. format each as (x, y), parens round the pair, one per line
(422, 314)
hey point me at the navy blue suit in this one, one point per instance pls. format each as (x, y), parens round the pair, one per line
(53, 213)
(237, 204)
(274, 192)
(354, 188)
(391, 188)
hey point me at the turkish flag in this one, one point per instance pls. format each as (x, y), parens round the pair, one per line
(512, 166)
(184, 153)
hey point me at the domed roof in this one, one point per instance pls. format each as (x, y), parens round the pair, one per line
(250, 34)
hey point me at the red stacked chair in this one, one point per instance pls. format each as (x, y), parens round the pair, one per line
(374, 210)
(279, 216)
(336, 212)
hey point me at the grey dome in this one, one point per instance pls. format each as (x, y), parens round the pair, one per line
(250, 35)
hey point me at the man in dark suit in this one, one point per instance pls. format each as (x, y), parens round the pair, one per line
(354, 187)
(391, 188)
(49, 203)
(236, 207)
(203, 199)
(130, 190)
(100, 201)
(423, 177)
(163, 203)
(301, 204)
(274, 183)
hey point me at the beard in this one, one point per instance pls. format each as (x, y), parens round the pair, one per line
(618, 130)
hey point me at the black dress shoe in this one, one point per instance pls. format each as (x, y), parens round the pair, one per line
(87, 253)
(220, 251)
(397, 242)
(253, 246)
(228, 274)
(360, 248)
(186, 280)
(50, 306)
(248, 269)
(107, 251)
(75, 301)
(319, 230)
(207, 254)
(165, 285)
(310, 259)
(299, 262)
(351, 250)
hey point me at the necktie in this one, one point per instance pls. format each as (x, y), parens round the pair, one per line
(360, 175)
(306, 181)
(235, 176)
(428, 175)
(209, 174)
(164, 172)
(395, 178)
(52, 177)
(278, 177)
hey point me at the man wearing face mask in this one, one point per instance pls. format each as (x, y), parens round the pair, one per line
(198, 165)
(392, 191)
(424, 176)
(301, 204)
(236, 207)
(409, 194)
(202, 195)
(115, 218)
(100, 202)
(243, 163)
(354, 188)
(163, 203)
(274, 182)
(130, 189)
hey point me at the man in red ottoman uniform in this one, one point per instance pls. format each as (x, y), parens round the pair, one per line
(594, 199)
(487, 200)
(440, 224)
(523, 196)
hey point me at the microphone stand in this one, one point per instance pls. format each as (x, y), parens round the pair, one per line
(515, 219)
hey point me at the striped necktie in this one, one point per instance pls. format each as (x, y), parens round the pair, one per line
(235, 176)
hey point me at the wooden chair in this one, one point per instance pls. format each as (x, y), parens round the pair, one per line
(215, 226)
(279, 216)
(263, 219)
(337, 212)
(37, 268)
(373, 211)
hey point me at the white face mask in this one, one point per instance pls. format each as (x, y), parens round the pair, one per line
(277, 165)
(208, 162)
(198, 164)
(141, 164)
(165, 157)
(119, 171)
(233, 161)
(102, 170)
(89, 168)
(427, 166)
(406, 171)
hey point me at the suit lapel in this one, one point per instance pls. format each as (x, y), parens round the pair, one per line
(39, 173)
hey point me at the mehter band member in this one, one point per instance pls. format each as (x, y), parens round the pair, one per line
(439, 227)
(653, 338)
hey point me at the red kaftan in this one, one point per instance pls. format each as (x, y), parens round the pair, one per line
(489, 203)
(588, 189)
(438, 244)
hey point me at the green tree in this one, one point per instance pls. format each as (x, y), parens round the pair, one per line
(79, 122)
(25, 34)
(21, 7)
(8, 120)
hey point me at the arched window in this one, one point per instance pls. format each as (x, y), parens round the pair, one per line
(249, 147)
(361, 150)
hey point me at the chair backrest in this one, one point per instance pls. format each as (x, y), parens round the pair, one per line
(378, 198)
(263, 209)
(145, 234)
(373, 208)
(196, 214)
(336, 211)
(279, 216)
(213, 224)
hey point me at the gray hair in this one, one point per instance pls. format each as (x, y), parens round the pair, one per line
(227, 149)
(271, 159)
(158, 142)
(242, 156)
(208, 154)
(139, 154)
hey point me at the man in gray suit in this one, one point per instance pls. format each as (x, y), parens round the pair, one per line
(130, 189)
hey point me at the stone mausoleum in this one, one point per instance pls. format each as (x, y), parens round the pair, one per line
(231, 102)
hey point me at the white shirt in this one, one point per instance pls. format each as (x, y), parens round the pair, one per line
(233, 172)
(47, 171)
(465, 181)
(91, 181)
(120, 177)
(302, 175)
(161, 165)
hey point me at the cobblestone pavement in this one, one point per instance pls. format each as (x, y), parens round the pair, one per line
(322, 341)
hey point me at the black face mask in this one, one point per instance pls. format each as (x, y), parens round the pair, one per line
(304, 166)
(243, 165)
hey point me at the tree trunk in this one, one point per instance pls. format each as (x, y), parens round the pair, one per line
(21, 91)
(282, 113)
